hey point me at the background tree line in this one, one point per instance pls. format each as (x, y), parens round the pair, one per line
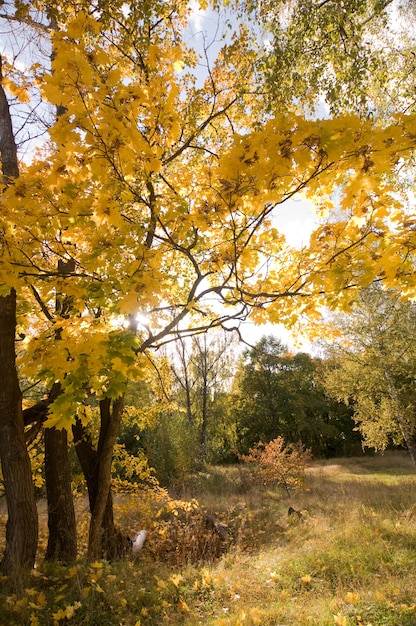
(360, 393)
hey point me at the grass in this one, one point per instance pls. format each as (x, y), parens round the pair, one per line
(350, 560)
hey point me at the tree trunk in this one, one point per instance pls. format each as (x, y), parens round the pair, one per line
(105, 540)
(110, 414)
(204, 425)
(204, 390)
(8, 149)
(62, 539)
(408, 436)
(22, 523)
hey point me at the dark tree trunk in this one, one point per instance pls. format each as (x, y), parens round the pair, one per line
(110, 415)
(105, 540)
(22, 523)
(62, 540)
(8, 149)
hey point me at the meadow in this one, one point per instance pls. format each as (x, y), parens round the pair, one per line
(350, 559)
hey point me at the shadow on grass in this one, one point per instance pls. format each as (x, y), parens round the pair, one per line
(337, 493)
(390, 463)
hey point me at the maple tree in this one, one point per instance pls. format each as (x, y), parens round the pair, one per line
(22, 524)
(160, 197)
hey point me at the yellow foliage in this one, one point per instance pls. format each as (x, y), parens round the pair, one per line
(67, 613)
(306, 579)
(167, 198)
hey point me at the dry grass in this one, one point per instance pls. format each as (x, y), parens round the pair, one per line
(350, 560)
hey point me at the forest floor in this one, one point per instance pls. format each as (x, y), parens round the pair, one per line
(350, 559)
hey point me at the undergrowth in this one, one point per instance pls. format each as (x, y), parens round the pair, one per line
(349, 559)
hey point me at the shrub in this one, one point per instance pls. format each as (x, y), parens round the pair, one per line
(277, 463)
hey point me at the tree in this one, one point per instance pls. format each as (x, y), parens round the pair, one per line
(354, 56)
(372, 365)
(279, 395)
(162, 193)
(193, 424)
(203, 374)
(62, 538)
(22, 524)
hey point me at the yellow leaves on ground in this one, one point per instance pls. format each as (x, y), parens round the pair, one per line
(67, 613)
(306, 579)
(352, 598)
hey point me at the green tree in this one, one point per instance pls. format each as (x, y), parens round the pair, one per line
(203, 371)
(197, 426)
(352, 56)
(279, 395)
(372, 366)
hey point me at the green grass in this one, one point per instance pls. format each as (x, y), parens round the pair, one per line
(351, 560)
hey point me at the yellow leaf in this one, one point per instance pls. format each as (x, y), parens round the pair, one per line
(178, 66)
(176, 579)
(161, 583)
(352, 598)
(183, 607)
(16, 90)
(306, 579)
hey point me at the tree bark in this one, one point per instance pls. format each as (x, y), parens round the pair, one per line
(8, 149)
(62, 539)
(22, 523)
(105, 540)
(110, 414)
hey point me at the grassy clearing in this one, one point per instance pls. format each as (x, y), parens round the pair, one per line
(350, 560)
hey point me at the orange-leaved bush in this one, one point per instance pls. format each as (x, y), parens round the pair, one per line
(278, 463)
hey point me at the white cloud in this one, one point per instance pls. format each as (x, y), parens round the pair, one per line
(198, 17)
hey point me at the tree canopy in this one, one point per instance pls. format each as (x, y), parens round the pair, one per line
(147, 178)
(372, 366)
(354, 56)
(280, 394)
